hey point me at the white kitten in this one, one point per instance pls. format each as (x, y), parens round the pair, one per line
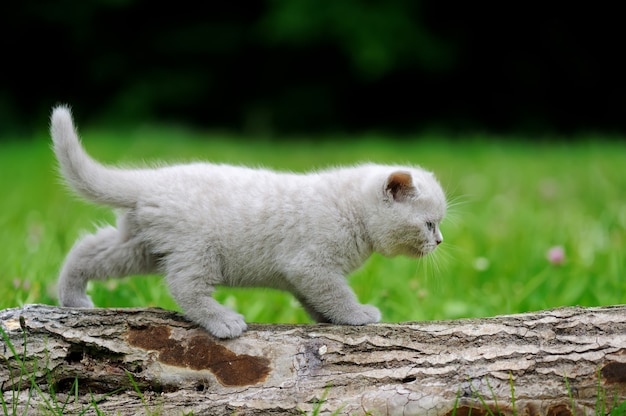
(204, 225)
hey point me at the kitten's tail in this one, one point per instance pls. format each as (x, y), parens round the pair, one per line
(98, 183)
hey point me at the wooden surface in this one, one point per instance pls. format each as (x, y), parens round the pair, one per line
(542, 360)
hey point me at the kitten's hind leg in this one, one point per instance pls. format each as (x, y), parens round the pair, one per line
(194, 294)
(107, 253)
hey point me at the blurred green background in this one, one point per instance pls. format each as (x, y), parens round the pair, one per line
(518, 109)
(276, 67)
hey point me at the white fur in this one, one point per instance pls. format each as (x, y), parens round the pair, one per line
(204, 225)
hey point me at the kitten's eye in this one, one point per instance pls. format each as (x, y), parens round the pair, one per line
(430, 226)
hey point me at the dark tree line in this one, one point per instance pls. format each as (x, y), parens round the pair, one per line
(284, 66)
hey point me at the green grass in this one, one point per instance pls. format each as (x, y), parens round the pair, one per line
(511, 202)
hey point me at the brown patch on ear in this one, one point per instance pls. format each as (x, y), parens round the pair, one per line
(400, 185)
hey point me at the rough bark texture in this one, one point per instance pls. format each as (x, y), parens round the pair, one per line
(547, 361)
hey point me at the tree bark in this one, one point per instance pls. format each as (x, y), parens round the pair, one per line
(150, 361)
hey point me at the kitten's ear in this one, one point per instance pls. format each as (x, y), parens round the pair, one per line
(399, 186)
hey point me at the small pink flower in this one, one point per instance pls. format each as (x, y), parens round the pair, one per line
(21, 284)
(556, 255)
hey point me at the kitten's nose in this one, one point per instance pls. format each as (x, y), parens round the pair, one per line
(439, 238)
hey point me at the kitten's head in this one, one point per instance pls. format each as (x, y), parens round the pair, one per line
(409, 208)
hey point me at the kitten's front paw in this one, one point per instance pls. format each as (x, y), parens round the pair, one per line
(76, 301)
(364, 314)
(227, 326)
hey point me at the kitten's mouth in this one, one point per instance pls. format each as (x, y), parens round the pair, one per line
(423, 251)
(418, 252)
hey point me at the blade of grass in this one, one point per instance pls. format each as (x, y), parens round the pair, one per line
(21, 362)
(480, 398)
(512, 393)
(34, 385)
(7, 341)
(94, 401)
(619, 410)
(601, 396)
(495, 399)
(571, 396)
(456, 402)
(139, 393)
(69, 395)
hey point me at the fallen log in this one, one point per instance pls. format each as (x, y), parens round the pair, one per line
(151, 361)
